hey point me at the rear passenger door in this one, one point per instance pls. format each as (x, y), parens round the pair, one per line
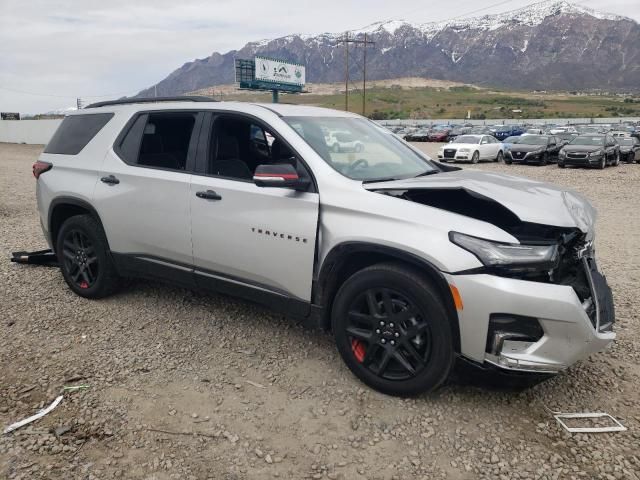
(143, 193)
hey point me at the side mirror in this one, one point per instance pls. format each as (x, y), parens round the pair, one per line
(279, 175)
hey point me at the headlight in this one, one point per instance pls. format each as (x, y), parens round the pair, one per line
(562, 154)
(597, 153)
(510, 255)
(463, 149)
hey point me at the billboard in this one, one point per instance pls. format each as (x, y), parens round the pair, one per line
(9, 116)
(277, 71)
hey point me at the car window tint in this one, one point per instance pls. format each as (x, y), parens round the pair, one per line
(75, 132)
(129, 147)
(165, 140)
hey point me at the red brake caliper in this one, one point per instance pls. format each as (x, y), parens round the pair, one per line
(84, 284)
(358, 350)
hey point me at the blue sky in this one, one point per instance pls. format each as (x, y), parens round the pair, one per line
(98, 49)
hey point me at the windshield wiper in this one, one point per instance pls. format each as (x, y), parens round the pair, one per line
(376, 180)
(428, 172)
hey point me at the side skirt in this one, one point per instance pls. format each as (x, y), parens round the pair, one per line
(186, 276)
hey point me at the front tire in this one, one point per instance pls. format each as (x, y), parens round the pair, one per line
(545, 159)
(392, 330)
(500, 157)
(603, 163)
(84, 258)
(616, 162)
(475, 157)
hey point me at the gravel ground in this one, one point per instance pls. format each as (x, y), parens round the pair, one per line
(189, 386)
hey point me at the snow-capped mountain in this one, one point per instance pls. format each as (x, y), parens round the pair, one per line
(548, 45)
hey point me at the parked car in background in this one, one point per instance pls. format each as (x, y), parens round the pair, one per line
(441, 135)
(344, 142)
(503, 131)
(539, 149)
(509, 141)
(567, 129)
(533, 131)
(629, 149)
(421, 135)
(456, 131)
(566, 137)
(472, 148)
(596, 151)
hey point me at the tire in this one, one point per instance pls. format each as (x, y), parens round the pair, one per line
(616, 162)
(423, 340)
(500, 157)
(84, 258)
(545, 159)
(508, 162)
(475, 157)
(561, 164)
(603, 163)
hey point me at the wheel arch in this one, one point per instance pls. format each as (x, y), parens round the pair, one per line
(347, 258)
(62, 208)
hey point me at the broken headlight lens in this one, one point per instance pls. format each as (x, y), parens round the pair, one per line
(510, 255)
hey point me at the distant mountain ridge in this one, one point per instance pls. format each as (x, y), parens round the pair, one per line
(548, 45)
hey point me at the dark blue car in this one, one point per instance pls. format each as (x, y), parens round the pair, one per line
(503, 131)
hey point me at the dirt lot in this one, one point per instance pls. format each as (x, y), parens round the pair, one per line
(189, 386)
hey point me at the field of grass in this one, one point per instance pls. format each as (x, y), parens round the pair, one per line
(455, 102)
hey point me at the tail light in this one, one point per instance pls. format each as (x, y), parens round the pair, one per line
(40, 167)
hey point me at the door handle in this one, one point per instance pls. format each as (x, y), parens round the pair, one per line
(110, 180)
(208, 195)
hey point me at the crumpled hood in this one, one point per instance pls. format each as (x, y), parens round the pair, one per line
(530, 200)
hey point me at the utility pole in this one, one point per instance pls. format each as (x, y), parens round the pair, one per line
(365, 43)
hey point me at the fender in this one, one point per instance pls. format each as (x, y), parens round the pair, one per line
(348, 257)
(76, 202)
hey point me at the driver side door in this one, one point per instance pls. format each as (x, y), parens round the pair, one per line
(250, 241)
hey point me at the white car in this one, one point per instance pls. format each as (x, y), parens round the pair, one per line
(472, 148)
(557, 130)
(343, 142)
(534, 131)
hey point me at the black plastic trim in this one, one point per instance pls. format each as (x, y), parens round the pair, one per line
(325, 287)
(128, 101)
(188, 276)
(76, 202)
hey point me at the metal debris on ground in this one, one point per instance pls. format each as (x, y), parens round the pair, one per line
(75, 387)
(615, 427)
(33, 418)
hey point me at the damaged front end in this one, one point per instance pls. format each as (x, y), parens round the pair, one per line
(530, 327)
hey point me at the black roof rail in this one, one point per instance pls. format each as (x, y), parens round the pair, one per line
(127, 101)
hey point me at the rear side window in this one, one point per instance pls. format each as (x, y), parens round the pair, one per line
(159, 140)
(75, 132)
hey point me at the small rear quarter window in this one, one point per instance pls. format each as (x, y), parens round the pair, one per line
(75, 132)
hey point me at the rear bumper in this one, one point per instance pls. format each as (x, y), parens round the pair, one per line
(568, 333)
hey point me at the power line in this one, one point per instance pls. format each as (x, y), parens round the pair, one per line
(24, 92)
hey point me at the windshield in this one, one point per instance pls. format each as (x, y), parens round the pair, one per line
(533, 140)
(588, 140)
(372, 152)
(467, 139)
(512, 139)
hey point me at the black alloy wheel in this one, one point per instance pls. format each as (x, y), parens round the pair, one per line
(392, 330)
(388, 334)
(84, 258)
(80, 259)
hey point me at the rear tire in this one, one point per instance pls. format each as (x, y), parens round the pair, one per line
(84, 258)
(392, 330)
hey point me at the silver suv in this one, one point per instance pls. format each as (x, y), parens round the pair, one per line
(411, 264)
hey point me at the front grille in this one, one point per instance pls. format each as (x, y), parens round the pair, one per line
(577, 155)
(449, 153)
(518, 154)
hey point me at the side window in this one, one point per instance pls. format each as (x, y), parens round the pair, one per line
(159, 140)
(75, 132)
(237, 145)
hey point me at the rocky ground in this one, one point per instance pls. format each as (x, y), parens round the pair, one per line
(182, 385)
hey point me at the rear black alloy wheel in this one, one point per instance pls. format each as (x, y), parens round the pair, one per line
(392, 331)
(84, 257)
(80, 259)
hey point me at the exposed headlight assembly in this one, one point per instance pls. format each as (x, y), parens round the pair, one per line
(513, 256)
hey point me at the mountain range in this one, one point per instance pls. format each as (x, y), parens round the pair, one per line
(549, 45)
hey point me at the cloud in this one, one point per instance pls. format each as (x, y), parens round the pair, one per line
(90, 48)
